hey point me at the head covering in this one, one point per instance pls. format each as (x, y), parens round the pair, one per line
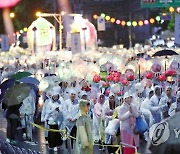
(148, 91)
(178, 94)
(83, 103)
(168, 87)
(139, 87)
(57, 89)
(156, 87)
(111, 94)
(83, 93)
(127, 94)
(98, 97)
(72, 91)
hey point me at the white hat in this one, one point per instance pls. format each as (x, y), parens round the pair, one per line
(57, 89)
(83, 93)
(168, 87)
(111, 94)
(72, 91)
(178, 94)
(139, 88)
(127, 94)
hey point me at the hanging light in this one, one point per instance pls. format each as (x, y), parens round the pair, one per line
(140, 23)
(25, 29)
(171, 9)
(146, 22)
(118, 22)
(152, 21)
(129, 23)
(95, 16)
(123, 23)
(107, 18)
(102, 15)
(134, 23)
(113, 20)
(158, 18)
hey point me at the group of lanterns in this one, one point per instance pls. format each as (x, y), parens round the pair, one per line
(127, 23)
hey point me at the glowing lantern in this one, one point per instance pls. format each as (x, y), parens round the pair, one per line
(170, 72)
(149, 75)
(134, 23)
(171, 9)
(123, 23)
(146, 22)
(113, 20)
(107, 18)
(116, 79)
(128, 23)
(125, 82)
(152, 21)
(118, 22)
(25, 29)
(105, 84)
(95, 16)
(130, 76)
(158, 18)
(140, 23)
(161, 78)
(120, 93)
(109, 78)
(102, 15)
(107, 92)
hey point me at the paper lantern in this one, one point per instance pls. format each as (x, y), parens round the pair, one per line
(161, 77)
(116, 79)
(149, 75)
(96, 78)
(125, 82)
(170, 72)
(120, 93)
(107, 92)
(105, 84)
(8, 3)
(156, 67)
(109, 78)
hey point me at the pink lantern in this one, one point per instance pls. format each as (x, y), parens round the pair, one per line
(149, 75)
(105, 84)
(96, 78)
(170, 72)
(107, 92)
(120, 93)
(116, 79)
(162, 77)
(8, 3)
(130, 76)
(117, 74)
(125, 82)
(156, 67)
(109, 78)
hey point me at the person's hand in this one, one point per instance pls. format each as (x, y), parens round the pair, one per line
(73, 119)
(130, 109)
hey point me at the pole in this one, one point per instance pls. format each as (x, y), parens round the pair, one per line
(60, 32)
(85, 45)
(130, 31)
(139, 72)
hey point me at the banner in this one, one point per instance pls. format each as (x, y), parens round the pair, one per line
(101, 24)
(177, 29)
(4, 43)
(75, 42)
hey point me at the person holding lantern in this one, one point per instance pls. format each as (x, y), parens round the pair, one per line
(127, 114)
(166, 102)
(154, 104)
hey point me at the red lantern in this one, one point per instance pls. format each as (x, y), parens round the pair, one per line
(125, 82)
(107, 92)
(120, 93)
(130, 77)
(149, 75)
(116, 79)
(161, 77)
(105, 84)
(116, 74)
(96, 78)
(109, 78)
(170, 72)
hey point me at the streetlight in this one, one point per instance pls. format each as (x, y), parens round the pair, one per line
(38, 14)
(84, 30)
(12, 14)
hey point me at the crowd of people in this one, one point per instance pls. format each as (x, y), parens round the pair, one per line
(94, 113)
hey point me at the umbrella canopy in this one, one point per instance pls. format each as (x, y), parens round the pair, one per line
(16, 94)
(165, 53)
(20, 75)
(29, 80)
(164, 140)
(4, 87)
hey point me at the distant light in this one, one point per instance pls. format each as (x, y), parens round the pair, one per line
(113, 20)
(102, 15)
(12, 14)
(128, 23)
(107, 18)
(154, 37)
(63, 13)
(123, 23)
(134, 23)
(152, 21)
(178, 9)
(38, 14)
(118, 22)
(21, 31)
(162, 21)
(146, 22)
(158, 18)
(17, 33)
(171, 9)
(62, 27)
(25, 29)
(95, 16)
(140, 23)
(164, 14)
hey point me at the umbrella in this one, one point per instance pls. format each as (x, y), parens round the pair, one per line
(16, 94)
(29, 80)
(4, 87)
(165, 53)
(20, 75)
(164, 138)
